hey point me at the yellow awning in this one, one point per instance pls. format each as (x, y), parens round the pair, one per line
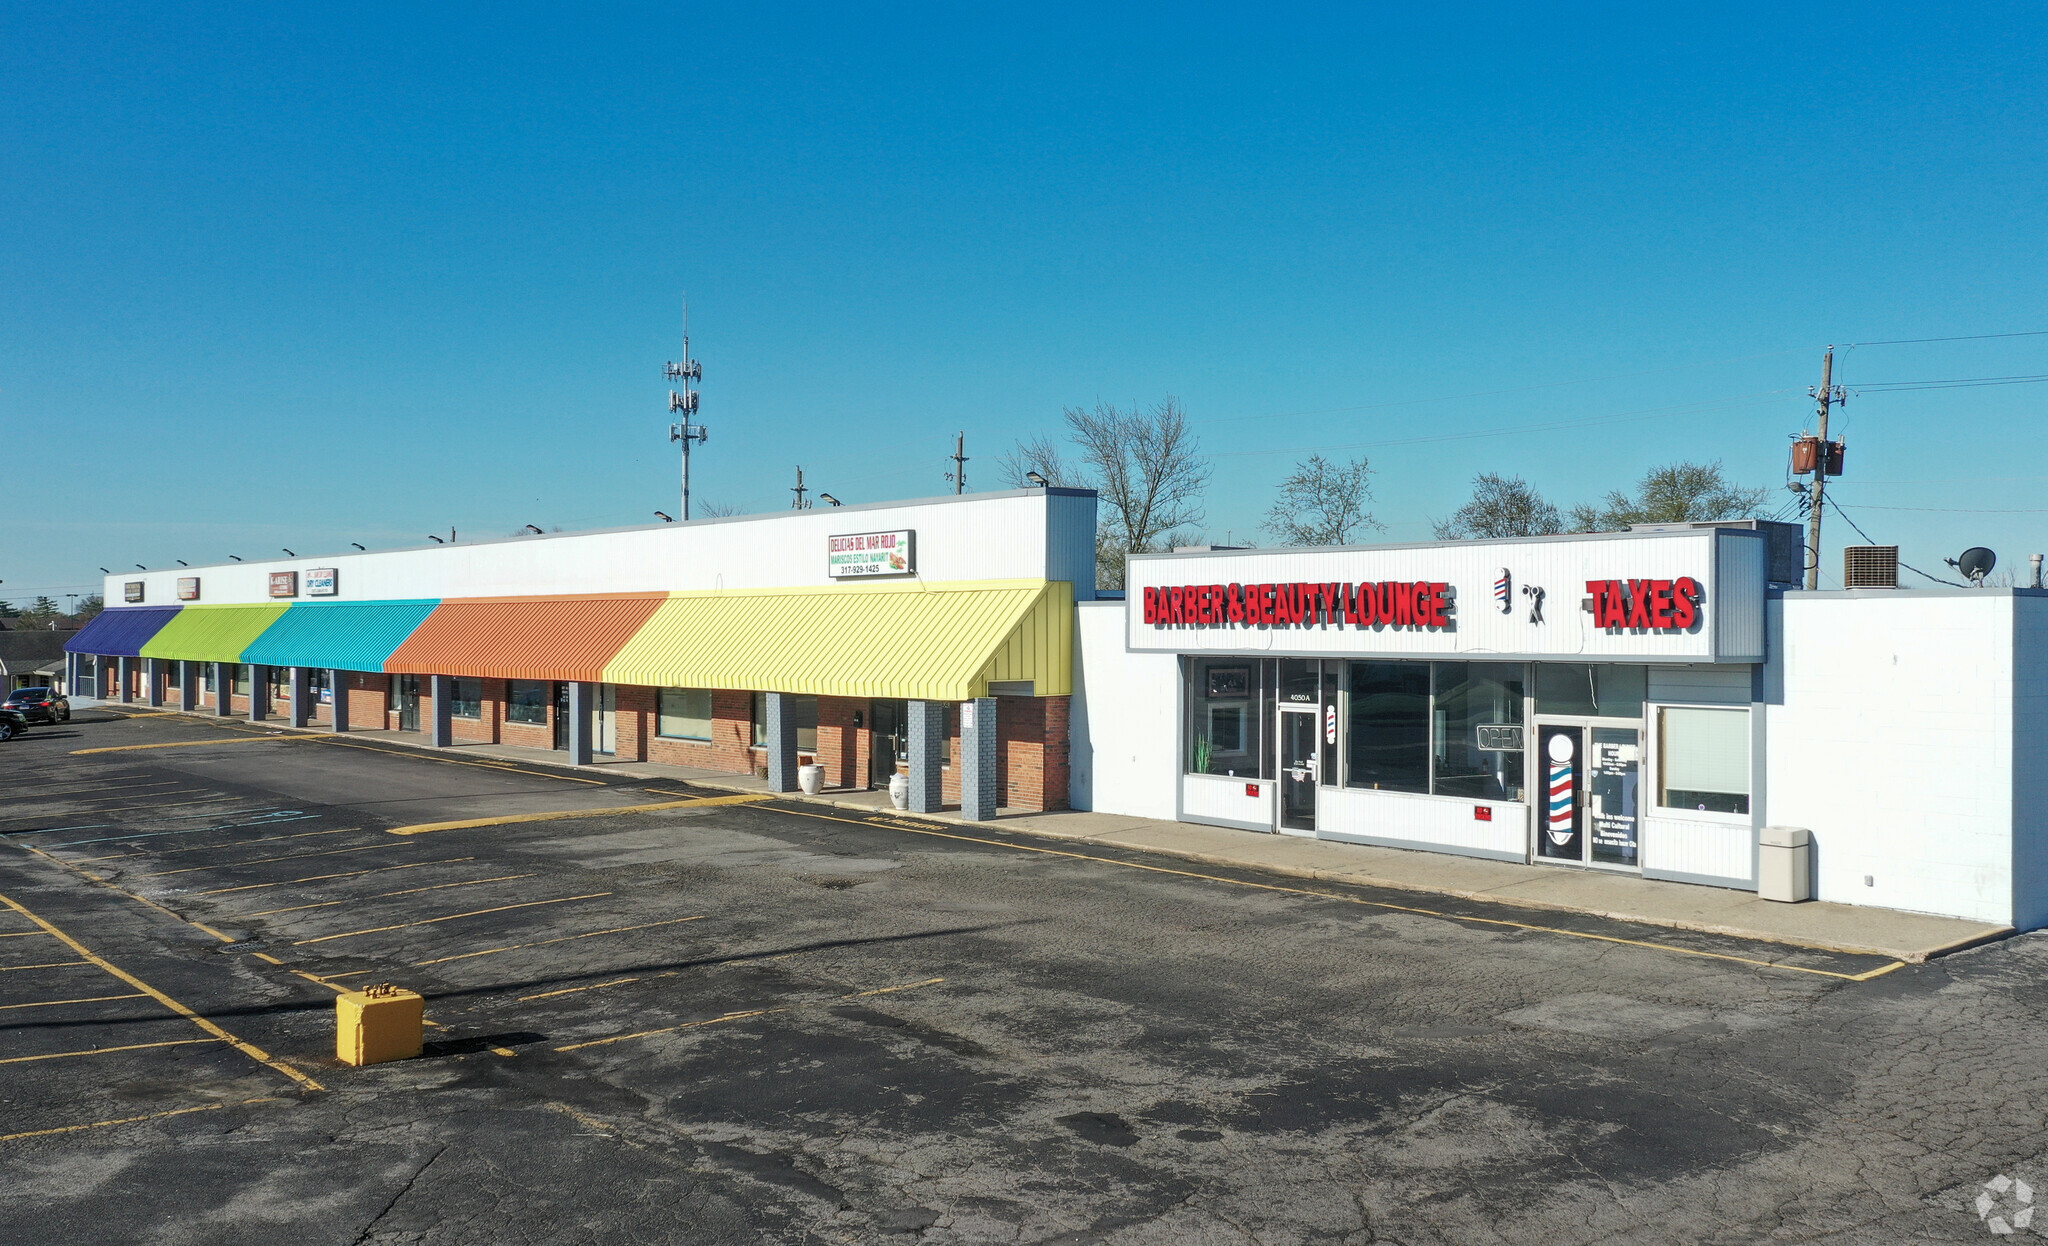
(940, 642)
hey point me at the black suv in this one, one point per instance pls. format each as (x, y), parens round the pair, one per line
(40, 705)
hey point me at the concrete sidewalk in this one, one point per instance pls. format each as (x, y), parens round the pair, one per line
(1910, 937)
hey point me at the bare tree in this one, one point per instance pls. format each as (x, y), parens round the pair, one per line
(1323, 503)
(1147, 469)
(1037, 453)
(1501, 506)
(1673, 493)
(714, 510)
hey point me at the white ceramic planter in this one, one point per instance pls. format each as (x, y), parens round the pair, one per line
(899, 791)
(811, 779)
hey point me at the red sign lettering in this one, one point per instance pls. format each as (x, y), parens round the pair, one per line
(1391, 603)
(1645, 605)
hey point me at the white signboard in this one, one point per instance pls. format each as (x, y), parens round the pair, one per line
(320, 582)
(862, 554)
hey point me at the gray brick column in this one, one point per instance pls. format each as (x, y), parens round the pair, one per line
(978, 759)
(927, 755)
(153, 677)
(444, 722)
(338, 681)
(302, 696)
(223, 688)
(780, 707)
(126, 674)
(582, 699)
(188, 686)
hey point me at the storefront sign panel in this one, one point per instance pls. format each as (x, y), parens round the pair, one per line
(284, 584)
(321, 582)
(861, 555)
(132, 591)
(188, 588)
(1648, 597)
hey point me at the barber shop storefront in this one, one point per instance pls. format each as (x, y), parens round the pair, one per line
(1581, 701)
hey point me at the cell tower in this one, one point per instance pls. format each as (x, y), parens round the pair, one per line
(684, 403)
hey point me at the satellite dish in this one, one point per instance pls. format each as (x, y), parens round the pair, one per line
(1975, 563)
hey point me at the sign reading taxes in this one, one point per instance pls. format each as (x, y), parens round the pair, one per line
(860, 555)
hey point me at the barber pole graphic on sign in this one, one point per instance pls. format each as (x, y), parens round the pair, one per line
(1504, 591)
(1562, 777)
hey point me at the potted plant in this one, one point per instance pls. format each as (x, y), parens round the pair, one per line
(1203, 753)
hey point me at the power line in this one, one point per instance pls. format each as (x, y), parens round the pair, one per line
(1619, 417)
(1872, 540)
(1962, 382)
(1972, 337)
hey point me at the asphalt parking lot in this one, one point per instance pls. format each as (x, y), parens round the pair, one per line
(714, 1019)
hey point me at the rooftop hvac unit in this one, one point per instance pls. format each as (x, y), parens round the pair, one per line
(1870, 566)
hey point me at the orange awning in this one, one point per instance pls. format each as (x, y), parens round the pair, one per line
(567, 638)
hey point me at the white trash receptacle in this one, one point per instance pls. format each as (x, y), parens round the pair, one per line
(811, 779)
(1784, 864)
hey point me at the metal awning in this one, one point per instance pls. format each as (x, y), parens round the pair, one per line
(121, 632)
(211, 633)
(909, 640)
(343, 635)
(567, 638)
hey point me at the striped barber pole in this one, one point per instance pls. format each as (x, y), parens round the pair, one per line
(1562, 776)
(1503, 591)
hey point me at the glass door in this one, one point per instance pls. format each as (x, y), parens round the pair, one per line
(1589, 810)
(405, 698)
(561, 716)
(604, 735)
(1299, 753)
(887, 742)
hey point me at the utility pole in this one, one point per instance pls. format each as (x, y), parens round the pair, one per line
(959, 456)
(685, 404)
(1827, 395)
(799, 504)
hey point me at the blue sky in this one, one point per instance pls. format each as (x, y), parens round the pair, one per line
(279, 278)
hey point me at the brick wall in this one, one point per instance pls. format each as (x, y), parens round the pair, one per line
(634, 722)
(730, 748)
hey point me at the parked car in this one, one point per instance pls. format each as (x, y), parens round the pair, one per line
(40, 705)
(12, 723)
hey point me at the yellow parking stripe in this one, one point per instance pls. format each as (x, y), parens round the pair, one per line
(386, 895)
(430, 921)
(142, 900)
(248, 1049)
(741, 1016)
(126, 1120)
(903, 825)
(514, 947)
(229, 865)
(130, 748)
(55, 964)
(315, 878)
(90, 999)
(573, 990)
(104, 1051)
(469, 823)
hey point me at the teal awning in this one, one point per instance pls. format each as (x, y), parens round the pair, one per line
(342, 635)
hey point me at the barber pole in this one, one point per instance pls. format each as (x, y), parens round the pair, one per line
(1503, 591)
(1562, 777)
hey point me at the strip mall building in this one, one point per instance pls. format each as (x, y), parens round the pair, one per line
(1642, 703)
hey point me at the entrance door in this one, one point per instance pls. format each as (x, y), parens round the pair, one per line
(1560, 817)
(1298, 764)
(887, 743)
(604, 733)
(1590, 807)
(405, 693)
(561, 716)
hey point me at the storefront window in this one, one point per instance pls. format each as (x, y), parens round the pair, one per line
(1478, 711)
(241, 688)
(1580, 690)
(526, 701)
(806, 708)
(1387, 735)
(466, 698)
(1703, 759)
(1223, 717)
(684, 713)
(206, 676)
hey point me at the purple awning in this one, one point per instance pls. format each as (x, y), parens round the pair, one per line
(121, 633)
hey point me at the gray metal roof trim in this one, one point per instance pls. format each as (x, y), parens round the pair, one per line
(1744, 533)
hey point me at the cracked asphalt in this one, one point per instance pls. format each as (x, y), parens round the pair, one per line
(776, 1022)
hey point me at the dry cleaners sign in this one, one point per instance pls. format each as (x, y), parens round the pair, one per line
(860, 555)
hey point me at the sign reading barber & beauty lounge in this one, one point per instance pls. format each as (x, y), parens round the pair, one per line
(1687, 596)
(859, 555)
